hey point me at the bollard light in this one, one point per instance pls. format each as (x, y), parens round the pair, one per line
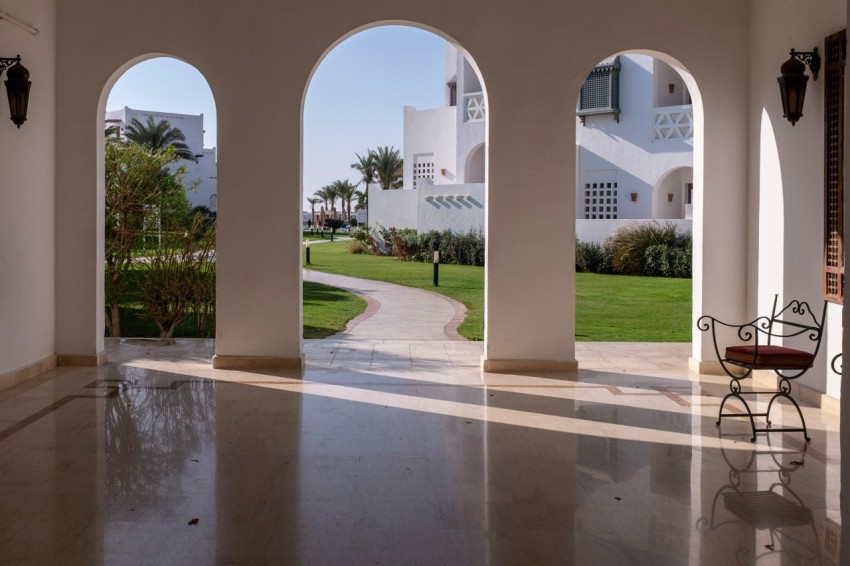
(436, 269)
(307, 246)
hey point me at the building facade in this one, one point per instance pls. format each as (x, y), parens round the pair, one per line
(634, 151)
(201, 177)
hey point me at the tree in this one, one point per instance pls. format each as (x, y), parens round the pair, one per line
(313, 202)
(362, 200)
(134, 185)
(159, 135)
(365, 165)
(180, 277)
(388, 167)
(345, 191)
(329, 195)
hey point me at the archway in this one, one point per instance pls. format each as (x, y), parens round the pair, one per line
(158, 195)
(438, 116)
(474, 172)
(672, 196)
(628, 175)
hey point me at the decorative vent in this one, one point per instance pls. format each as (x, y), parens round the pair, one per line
(600, 200)
(600, 93)
(833, 256)
(423, 167)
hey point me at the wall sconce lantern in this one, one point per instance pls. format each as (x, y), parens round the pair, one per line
(669, 197)
(793, 79)
(17, 87)
(671, 87)
(634, 197)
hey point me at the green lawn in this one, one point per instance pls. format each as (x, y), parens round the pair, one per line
(610, 308)
(328, 309)
(460, 282)
(619, 308)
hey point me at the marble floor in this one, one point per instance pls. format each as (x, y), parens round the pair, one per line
(391, 452)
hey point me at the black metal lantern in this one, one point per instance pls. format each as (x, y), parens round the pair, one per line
(792, 82)
(18, 88)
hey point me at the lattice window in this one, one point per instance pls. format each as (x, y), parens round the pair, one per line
(600, 93)
(833, 257)
(600, 200)
(423, 167)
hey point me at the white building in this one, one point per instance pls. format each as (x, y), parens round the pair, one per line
(201, 176)
(634, 151)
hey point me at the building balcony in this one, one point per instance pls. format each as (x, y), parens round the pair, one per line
(673, 123)
(474, 107)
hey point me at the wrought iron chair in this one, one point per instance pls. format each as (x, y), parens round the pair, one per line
(796, 319)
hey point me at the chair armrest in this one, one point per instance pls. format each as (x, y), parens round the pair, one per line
(747, 332)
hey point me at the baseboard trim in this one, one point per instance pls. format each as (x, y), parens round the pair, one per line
(81, 360)
(518, 366)
(12, 378)
(257, 362)
(708, 368)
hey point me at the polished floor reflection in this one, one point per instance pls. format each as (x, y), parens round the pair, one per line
(403, 453)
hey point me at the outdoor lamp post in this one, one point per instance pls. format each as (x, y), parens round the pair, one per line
(793, 79)
(17, 87)
(436, 269)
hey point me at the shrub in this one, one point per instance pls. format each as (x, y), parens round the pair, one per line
(362, 235)
(669, 261)
(408, 245)
(356, 248)
(592, 257)
(628, 245)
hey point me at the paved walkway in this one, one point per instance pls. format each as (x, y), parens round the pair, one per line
(396, 312)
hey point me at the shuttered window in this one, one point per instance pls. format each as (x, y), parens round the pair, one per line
(833, 260)
(600, 93)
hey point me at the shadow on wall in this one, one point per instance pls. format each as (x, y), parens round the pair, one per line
(452, 202)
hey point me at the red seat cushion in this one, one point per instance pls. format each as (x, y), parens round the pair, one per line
(770, 357)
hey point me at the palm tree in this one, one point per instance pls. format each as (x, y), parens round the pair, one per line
(159, 135)
(313, 202)
(362, 200)
(328, 194)
(365, 165)
(388, 167)
(345, 191)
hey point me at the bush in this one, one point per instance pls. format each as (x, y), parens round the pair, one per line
(628, 245)
(592, 257)
(408, 245)
(356, 248)
(638, 249)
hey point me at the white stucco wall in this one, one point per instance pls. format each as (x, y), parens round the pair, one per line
(430, 131)
(786, 173)
(27, 195)
(459, 208)
(393, 208)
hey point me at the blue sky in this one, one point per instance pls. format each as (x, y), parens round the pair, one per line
(354, 101)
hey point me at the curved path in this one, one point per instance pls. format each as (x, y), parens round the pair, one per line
(396, 312)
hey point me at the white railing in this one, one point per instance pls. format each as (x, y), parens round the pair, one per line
(476, 107)
(673, 123)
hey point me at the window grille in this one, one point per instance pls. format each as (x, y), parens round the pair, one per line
(833, 255)
(600, 93)
(600, 200)
(423, 168)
